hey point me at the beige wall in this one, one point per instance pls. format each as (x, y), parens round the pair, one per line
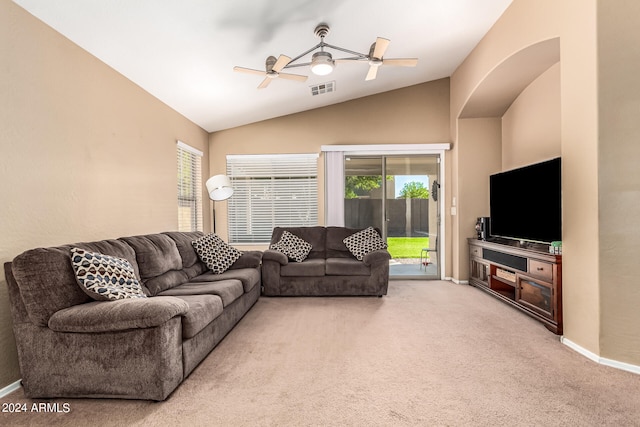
(531, 125)
(85, 153)
(619, 178)
(414, 115)
(478, 146)
(579, 136)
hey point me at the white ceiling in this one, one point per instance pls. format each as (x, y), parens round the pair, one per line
(183, 51)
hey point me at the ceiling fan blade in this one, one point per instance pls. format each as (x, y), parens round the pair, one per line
(282, 62)
(401, 62)
(296, 77)
(265, 83)
(248, 70)
(381, 47)
(373, 72)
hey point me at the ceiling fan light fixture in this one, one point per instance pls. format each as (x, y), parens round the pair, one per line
(322, 63)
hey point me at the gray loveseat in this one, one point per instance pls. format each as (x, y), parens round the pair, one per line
(70, 345)
(330, 269)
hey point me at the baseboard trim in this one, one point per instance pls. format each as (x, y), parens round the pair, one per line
(601, 360)
(10, 389)
(456, 281)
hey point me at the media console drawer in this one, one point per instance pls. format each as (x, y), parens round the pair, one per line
(541, 269)
(476, 251)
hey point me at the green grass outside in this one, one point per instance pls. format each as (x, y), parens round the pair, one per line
(406, 247)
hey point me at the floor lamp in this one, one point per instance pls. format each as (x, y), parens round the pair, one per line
(219, 188)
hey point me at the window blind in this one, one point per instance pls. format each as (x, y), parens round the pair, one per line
(271, 191)
(189, 188)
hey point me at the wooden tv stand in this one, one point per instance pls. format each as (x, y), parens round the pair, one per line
(524, 275)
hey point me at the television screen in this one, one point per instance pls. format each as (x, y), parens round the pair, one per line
(526, 203)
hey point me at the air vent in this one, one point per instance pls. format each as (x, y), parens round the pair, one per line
(323, 88)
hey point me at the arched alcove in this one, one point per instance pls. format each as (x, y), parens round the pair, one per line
(502, 85)
(478, 147)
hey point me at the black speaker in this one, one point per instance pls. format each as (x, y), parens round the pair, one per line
(483, 228)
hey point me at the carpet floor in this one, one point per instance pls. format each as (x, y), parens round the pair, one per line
(430, 353)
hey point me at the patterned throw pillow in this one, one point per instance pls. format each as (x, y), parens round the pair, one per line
(363, 242)
(292, 246)
(216, 253)
(104, 277)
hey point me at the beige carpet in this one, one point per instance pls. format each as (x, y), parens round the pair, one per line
(428, 354)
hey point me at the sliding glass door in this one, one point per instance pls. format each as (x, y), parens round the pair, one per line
(398, 195)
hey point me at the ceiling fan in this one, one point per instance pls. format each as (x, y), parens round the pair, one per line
(323, 63)
(273, 69)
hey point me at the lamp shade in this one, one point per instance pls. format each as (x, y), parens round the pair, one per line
(219, 187)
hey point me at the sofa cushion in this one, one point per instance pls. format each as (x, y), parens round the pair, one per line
(122, 315)
(308, 268)
(249, 259)
(363, 242)
(346, 267)
(159, 261)
(105, 277)
(165, 281)
(216, 253)
(250, 277)
(203, 309)
(183, 241)
(155, 253)
(292, 246)
(191, 264)
(335, 241)
(227, 290)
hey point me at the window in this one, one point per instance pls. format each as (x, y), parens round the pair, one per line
(189, 188)
(271, 190)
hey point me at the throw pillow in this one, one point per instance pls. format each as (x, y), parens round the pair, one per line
(292, 246)
(105, 277)
(363, 242)
(216, 253)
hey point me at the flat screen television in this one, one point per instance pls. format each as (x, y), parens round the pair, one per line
(526, 203)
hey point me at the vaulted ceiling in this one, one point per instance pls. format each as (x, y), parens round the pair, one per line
(183, 51)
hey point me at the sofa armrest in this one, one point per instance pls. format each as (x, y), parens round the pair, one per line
(109, 316)
(273, 255)
(249, 259)
(378, 257)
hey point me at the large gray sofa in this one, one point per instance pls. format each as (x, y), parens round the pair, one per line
(330, 269)
(70, 345)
